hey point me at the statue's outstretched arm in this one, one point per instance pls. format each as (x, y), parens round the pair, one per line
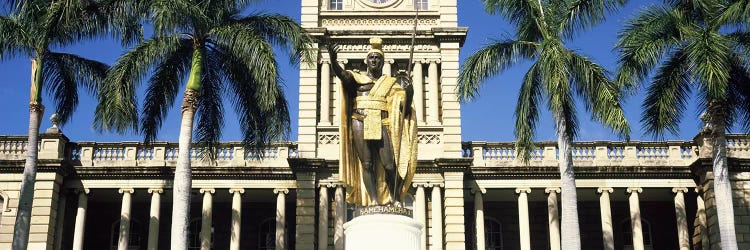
(344, 76)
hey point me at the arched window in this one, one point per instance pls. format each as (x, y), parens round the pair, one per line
(493, 234)
(194, 234)
(267, 234)
(134, 238)
(627, 234)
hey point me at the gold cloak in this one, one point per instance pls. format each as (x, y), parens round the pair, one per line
(402, 132)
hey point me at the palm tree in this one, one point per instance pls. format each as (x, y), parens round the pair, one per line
(223, 54)
(557, 75)
(33, 28)
(701, 46)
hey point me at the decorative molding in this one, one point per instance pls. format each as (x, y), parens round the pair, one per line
(429, 138)
(375, 21)
(328, 139)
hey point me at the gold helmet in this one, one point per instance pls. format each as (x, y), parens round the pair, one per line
(377, 46)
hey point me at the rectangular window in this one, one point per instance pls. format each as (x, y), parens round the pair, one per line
(336, 5)
(422, 4)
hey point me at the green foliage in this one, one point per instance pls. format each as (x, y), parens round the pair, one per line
(558, 75)
(700, 46)
(237, 64)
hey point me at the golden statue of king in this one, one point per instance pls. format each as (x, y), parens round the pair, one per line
(378, 132)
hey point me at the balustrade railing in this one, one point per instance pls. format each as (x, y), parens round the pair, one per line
(598, 153)
(13, 147)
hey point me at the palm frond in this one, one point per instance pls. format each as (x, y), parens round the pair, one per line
(601, 96)
(260, 124)
(282, 31)
(175, 16)
(117, 103)
(527, 113)
(14, 38)
(163, 87)
(738, 95)
(64, 73)
(555, 74)
(210, 111)
(667, 97)
(710, 54)
(524, 14)
(584, 14)
(489, 61)
(741, 41)
(643, 41)
(738, 12)
(256, 54)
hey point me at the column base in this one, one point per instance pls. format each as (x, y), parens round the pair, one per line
(383, 231)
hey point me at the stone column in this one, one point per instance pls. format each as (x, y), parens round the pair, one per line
(681, 216)
(608, 236)
(207, 217)
(234, 243)
(325, 92)
(702, 222)
(523, 217)
(635, 217)
(420, 212)
(153, 222)
(127, 193)
(437, 218)
(434, 84)
(323, 217)
(387, 67)
(418, 83)
(340, 213)
(83, 201)
(479, 216)
(553, 218)
(281, 217)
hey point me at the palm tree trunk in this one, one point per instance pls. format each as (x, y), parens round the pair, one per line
(183, 177)
(26, 198)
(722, 186)
(571, 236)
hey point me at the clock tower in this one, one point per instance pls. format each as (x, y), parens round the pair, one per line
(350, 24)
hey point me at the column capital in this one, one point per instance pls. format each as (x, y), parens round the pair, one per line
(604, 189)
(342, 61)
(280, 190)
(436, 60)
(478, 190)
(126, 190)
(236, 190)
(634, 189)
(422, 60)
(207, 190)
(523, 190)
(419, 184)
(326, 185)
(552, 189)
(679, 189)
(155, 190)
(435, 184)
(324, 61)
(389, 61)
(81, 190)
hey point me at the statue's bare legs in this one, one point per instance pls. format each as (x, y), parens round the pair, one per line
(374, 154)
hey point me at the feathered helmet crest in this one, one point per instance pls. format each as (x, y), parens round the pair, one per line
(377, 46)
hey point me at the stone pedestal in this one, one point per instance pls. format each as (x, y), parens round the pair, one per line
(383, 231)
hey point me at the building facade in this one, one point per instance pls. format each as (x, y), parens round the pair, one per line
(469, 195)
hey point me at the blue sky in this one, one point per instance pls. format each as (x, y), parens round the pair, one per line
(487, 118)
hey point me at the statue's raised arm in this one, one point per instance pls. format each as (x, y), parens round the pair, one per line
(335, 66)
